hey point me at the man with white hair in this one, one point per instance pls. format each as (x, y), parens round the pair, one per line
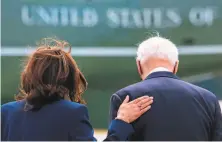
(181, 111)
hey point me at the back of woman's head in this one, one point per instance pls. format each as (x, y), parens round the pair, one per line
(51, 74)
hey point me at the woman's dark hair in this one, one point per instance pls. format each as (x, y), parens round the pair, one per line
(50, 74)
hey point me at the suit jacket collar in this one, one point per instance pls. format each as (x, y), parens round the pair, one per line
(161, 74)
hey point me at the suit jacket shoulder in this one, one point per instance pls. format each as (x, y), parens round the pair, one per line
(131, 90)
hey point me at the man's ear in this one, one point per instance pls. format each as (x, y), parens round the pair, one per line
(176, 66)
(139, 67)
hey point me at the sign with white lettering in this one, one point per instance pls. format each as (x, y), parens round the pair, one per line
(115, 17)
(113, 23)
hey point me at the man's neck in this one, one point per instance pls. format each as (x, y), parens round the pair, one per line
(158, 69)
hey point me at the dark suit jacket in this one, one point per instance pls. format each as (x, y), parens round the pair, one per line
(60, 121)
(181, 111)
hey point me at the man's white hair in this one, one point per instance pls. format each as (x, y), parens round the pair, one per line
(158, 47)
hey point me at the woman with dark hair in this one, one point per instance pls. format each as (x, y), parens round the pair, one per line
(50, 106)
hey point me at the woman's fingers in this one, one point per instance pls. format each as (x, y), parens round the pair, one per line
(146, 104)
(130, 111)
(141, 99)
(140, 111)
(144, 110)
(142, 106)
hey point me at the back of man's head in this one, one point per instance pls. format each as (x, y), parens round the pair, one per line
(156, 52)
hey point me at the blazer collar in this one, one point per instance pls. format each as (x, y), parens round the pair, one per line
(161, 74)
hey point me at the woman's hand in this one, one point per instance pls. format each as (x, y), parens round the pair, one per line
(130, 111)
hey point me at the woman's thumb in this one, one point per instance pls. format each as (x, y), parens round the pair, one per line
(126, 100)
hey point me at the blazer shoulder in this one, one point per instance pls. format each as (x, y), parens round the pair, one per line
(128, 88)
(71, 107)
(204, 96)
(12, 105)
(204, 92)
(209, 95)
(134, 90)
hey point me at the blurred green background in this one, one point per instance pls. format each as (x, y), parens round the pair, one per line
(104, 24)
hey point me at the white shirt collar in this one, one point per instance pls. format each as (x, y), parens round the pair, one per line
(159, 69)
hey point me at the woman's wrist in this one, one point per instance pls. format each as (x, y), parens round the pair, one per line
(121, 117)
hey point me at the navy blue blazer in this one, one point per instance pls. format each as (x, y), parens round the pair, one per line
(181, 111)
(60, 121)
